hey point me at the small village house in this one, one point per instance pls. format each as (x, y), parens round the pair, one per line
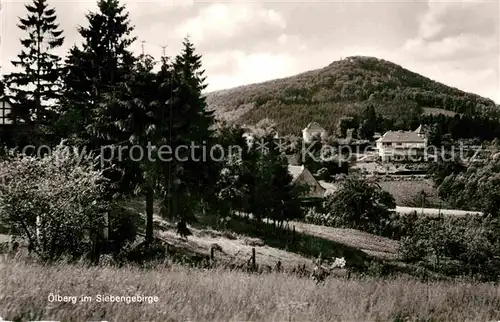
(313, 130)
(304, 177)
(402, 145)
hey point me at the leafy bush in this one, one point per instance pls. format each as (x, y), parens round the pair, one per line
(143, 252)
(475, 188)
(455, 246)
(359, 204)
(123, 227)
(55, 203)
(400, 226)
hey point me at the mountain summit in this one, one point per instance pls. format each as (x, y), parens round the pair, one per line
(345, 87)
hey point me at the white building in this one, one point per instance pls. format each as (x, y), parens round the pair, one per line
(401, 145)
(312, 130)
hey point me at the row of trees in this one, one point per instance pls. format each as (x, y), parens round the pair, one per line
(104, 99)
(443, 128)
(257, 181)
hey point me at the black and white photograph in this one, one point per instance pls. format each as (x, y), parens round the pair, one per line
(249, 160)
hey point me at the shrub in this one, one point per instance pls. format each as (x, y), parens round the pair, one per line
(55, 202)
(360, 204)
(399, 226)
(144, 252)
(455, 246)
(123, 227)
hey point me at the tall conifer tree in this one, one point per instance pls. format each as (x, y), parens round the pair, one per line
(95, 69)
(37, 85)
(191, 126)
(132, 115)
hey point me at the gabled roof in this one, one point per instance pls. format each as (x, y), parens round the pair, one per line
(420, 130)
(314, 127)
(295, 171)
(401, 136)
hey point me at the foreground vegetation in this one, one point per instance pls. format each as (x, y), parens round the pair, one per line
(195, 295)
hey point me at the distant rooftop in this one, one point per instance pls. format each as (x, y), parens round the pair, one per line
(420, 130)
(314, 127)
(401, 136)
(295, 171)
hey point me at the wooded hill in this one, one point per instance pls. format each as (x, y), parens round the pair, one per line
(345, 88)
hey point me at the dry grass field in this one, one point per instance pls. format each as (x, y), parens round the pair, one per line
(241, 236)
(376, 246)
(194, 295)
(405, 190)
(188, 294)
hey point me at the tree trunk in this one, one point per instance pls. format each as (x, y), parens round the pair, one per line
(149, 214)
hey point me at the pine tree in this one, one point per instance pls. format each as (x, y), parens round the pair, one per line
(132, 116)
(38, 85)
(95, 68)
(189, 183)
(96, 71)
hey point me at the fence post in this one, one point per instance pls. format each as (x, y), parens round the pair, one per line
(211, 253)
(254, 265)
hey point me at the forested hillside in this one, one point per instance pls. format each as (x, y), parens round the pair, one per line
(345, 88)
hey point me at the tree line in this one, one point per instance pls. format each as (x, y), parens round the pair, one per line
(102, 97)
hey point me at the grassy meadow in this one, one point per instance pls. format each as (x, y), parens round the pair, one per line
(186, 294)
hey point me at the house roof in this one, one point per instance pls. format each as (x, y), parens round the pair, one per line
(401, 136)
(420, 130)
(314, 127)
(295, 171)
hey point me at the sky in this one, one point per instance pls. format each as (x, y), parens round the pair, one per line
(242, 42)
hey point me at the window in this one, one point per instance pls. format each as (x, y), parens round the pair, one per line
(5, 108)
